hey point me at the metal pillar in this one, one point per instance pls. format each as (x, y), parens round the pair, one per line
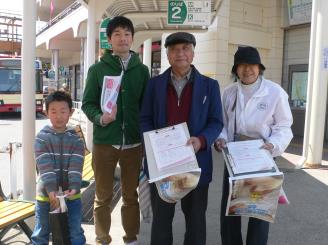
(146, 57)
(28, 98)
(55, 64)
(85, 65)
(91, 56)
(319, 72)
(82, 59)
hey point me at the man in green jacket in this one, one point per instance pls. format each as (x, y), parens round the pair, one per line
(116, 136)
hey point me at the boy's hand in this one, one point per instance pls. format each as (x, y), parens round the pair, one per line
(54, 202)
(69, 193)
(107, 118)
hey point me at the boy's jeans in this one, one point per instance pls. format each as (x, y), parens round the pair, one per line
(41, 231)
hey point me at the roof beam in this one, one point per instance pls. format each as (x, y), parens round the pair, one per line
(217, 5)
(161, 23)
(216, 9)
(146, 25)
(146, 15)
(155, 5)
(136, 6)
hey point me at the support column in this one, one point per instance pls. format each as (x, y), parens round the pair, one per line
(309, 86)
(72, 78)
(82, 59)
(28, 99)
(85, 66)
(91, 56)
(319, 84)
(55, 64)
(146, 57)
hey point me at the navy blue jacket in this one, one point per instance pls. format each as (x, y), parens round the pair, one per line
(205, 116)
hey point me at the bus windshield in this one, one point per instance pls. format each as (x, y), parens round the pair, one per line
(10, 80)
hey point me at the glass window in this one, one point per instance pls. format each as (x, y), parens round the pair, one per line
(298, 76)
(10, 80)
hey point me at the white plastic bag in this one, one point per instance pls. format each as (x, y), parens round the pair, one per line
(174, 188)
(144, 198)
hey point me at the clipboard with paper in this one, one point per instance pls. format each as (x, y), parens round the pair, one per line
(172, 163)
(167, 152)
(246, 157)
(254, 190)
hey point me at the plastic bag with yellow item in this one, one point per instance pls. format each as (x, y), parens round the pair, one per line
(173, 188)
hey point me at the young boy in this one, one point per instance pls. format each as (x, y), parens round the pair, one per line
(58, 147)
(116, 135)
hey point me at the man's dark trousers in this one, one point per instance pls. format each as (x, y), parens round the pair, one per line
(194, 207)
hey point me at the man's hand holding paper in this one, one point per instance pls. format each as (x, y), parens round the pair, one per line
(219, 144)
(195, 142)
(107, 117)
(109, 94)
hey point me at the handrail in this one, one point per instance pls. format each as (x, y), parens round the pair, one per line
(10, 14)
(60, 16)
(13, 22)
(11, 149)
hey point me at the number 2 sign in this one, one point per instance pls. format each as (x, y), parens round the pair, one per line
(189, 12)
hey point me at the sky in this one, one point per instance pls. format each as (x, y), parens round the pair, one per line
(17, 6)
(14, 5)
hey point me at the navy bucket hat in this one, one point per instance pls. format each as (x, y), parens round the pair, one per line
(246, 55)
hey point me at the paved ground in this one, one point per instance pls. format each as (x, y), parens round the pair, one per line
(303, 222)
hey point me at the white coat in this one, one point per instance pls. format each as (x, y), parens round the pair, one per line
(266, 115)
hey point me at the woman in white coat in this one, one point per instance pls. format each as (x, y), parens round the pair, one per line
(253, 107)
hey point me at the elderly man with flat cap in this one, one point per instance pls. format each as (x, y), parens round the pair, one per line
(182, 94)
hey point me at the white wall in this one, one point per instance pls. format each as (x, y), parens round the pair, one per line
(258, 24)
(204, 59)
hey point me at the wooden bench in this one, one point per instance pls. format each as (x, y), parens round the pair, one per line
(87, 173)
(14, 212)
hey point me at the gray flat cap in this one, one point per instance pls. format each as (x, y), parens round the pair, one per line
(180, 37)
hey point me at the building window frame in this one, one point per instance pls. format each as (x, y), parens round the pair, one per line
(298, 74)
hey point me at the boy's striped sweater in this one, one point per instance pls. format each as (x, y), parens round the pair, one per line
(52, 148)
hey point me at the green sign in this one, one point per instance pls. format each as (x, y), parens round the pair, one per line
(103, 40)
(189, 12)
(177, 12)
